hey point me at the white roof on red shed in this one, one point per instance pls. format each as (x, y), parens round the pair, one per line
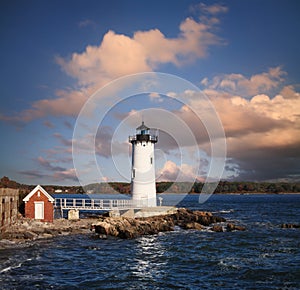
(42, 190)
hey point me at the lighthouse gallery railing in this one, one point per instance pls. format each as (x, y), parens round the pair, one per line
(151, 138)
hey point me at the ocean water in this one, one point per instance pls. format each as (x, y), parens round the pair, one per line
(263, 257)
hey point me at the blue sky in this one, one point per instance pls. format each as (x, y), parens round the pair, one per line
(244, 56)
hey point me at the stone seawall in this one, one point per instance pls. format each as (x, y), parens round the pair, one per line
(9, 202)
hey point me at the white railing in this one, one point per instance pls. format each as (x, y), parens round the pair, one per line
(98, 204)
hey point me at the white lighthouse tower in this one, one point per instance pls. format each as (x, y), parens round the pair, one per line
(143, 187)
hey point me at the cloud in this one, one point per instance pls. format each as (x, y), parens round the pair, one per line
(86, 23)
(48, 124)
(67, 103)
(212, 9)
(118, 55)
(246, 86)
(56, 173)
(67, 174)
(104, 144)
(32, 173)
(63, 140)
(156, 98)
(68, 125)
(171, 172)
(47, 165)
(263, 130)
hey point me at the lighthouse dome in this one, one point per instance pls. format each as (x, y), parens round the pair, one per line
(143, 129)
(143, 134)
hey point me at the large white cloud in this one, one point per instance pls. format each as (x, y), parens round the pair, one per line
(262, 130)
(118, 55)
(246, 86)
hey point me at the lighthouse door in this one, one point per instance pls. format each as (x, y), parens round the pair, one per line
(39, 210)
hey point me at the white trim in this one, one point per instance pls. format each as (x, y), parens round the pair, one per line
(38, 187)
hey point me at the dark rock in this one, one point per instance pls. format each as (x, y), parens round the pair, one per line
(38, 230)
(290, 226)
(129, 228)
(232, 227)
(194, 225)
(240, 228)
(30, 235)
(53, 232)
(217, 228)
(13, 236)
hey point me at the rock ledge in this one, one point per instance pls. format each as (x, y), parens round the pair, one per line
(129, 228)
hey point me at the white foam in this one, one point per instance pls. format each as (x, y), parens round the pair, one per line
(10, 268)
(226, 211)
(14, 267)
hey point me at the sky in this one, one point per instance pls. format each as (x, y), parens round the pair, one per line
(241, 56)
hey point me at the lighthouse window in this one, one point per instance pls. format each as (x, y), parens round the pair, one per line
(133, 173)
(151, 160)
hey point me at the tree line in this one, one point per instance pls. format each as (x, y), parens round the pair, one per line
(164, 186)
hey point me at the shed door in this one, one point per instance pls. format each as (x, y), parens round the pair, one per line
(39, 210)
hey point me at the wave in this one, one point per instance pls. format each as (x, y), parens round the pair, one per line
(9, 268)
(226, 211)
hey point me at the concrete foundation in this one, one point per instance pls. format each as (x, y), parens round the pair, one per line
(144, 212)
(73, 214)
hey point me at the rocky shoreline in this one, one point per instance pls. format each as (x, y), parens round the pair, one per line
(129, 228)
(122, 227)
(25, 230)
(28, 230)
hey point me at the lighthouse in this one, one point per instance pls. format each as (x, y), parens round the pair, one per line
(143, 187)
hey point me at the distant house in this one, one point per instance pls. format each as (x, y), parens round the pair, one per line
(39, 205)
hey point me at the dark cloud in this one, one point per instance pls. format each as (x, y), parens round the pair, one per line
(68, 125)
(48, 124)
(56, 173)
(48, 166)
(63, 140)
(32, 173)
(269, 164)
(105, 146)
(69, 174)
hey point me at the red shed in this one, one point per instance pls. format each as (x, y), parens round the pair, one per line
(39, 205)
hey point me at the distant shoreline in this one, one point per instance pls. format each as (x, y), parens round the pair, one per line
(191, 193)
